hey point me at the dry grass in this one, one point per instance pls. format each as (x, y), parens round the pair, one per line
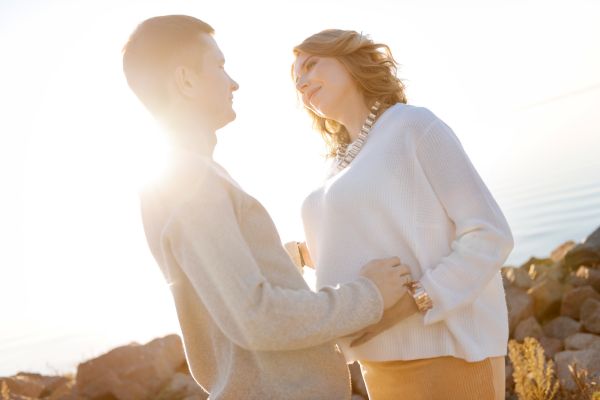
(535, 376)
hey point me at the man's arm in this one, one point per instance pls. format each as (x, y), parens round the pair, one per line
(205, 239)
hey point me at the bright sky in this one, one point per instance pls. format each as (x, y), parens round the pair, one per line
(75, 143)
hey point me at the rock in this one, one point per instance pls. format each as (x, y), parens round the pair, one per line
(559, 253)
(540, 268)
(561, 327)
(358, 384)
(23, 385)
(509, 381)
(551, 346)
(586, 276)
(590, 315)
(584, 359)
(586, 253)
(64, 392)
(547, 297)
(574, 298)
(132, 372)
(582, 341)
(518, 277)
(520, 307)
(33, 385)
(182, 386)
(528, 328)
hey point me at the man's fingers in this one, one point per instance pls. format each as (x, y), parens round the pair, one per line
(393, 261)
(403, 269)
(356, 334)
(362, 339)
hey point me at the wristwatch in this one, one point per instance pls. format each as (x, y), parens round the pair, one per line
(421, 297)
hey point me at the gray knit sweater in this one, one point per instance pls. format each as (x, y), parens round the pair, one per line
(252, 329)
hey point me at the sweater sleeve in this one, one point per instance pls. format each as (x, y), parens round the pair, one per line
(483, 239)
(205, 239)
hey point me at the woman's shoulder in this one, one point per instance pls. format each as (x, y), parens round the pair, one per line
(411, 114)
(412, 121)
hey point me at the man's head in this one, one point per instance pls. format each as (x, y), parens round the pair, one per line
(174, 66)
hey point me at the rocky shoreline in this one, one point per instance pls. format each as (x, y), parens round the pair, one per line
(555, 300)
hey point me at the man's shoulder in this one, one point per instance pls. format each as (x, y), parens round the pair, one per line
(192, 180)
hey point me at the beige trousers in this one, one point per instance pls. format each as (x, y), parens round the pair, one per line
(440, 378)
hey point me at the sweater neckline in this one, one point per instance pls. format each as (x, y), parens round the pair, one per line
(332, 165)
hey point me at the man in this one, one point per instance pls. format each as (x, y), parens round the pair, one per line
(251, 327)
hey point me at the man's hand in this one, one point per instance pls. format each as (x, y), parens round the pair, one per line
(403, 309)
(389, 275)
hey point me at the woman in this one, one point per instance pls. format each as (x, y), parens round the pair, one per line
(399, 183)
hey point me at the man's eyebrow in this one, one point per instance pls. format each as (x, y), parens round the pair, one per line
(302, 66)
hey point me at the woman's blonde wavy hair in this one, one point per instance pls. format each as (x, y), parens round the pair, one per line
(370, 64)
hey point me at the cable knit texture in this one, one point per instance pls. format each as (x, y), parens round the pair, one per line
(412, 192)
(251, 327)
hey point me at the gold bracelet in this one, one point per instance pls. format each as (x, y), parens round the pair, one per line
(424, 302)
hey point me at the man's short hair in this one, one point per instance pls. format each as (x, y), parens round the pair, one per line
(149, 52)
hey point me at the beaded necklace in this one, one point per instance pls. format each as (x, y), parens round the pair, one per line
(346, 153)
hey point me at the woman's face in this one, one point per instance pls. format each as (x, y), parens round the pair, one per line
(324, 83)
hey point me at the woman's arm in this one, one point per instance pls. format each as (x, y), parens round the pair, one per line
(483, 239)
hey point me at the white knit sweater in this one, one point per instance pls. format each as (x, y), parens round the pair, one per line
(412, 192)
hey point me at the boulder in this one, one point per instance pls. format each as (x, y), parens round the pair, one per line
(182, 386)
(584, 359)
(586, 253)
(559, 253)
(64, 392)
(547, 297)
(518, 277)
(22, 385)
(574, 298)
(132, 372)
(519, 305)
(590, 315)
(551, 346)
(30, 385)
(582, 341)
(586, 276)
(541, 268)
(562, 327)
(509, 381)
(528, 328)
(358, 384)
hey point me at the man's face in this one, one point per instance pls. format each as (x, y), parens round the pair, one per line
(214, 92)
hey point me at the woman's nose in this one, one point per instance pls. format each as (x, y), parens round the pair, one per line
(301, 85)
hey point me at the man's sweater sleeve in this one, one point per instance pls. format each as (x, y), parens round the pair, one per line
(205, 239)
(482, 240)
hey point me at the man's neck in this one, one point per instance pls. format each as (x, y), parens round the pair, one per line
(195, 140)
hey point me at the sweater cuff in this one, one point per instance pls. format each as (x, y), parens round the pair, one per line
(374, 303)
(436, 313)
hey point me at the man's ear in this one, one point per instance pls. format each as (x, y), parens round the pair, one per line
(185, 80)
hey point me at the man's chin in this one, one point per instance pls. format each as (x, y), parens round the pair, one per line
(227, 119)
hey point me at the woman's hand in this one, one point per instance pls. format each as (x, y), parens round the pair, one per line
(299, 254)
(403, 309)
(305, 254)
